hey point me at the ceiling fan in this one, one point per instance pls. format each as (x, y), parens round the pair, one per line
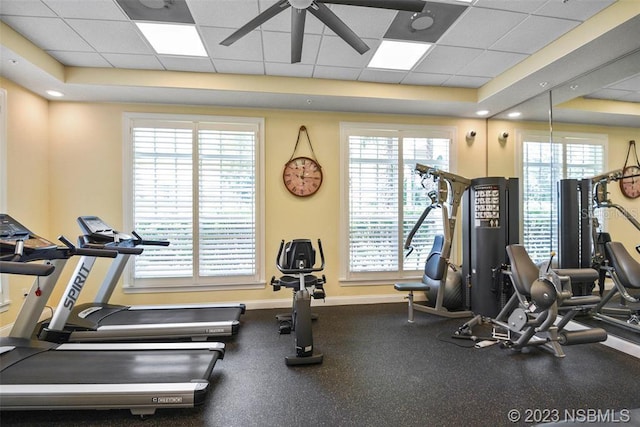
(325, 15)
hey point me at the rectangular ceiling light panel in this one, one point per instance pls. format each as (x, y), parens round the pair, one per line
(398, 55)
(173, 39)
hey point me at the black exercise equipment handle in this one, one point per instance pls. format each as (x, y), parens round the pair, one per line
(300, 270)
(74, 250)
(124, 250)
(141, 241)
(27, 269)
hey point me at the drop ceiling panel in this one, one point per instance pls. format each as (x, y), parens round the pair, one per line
(248, 48)
(87, 9)
(48, 33)
(277, 47)
(142, 62)
(425, 79)
(80, 59)
(574, 9)
(223, 13)
(534, 33)
(491, 63)
(366, 22)
(336, 73)
(230, 66)
(25, 8)
(447, 59)
(466, 81)
(380, 76)
(336, 52)
(481, 28)
(111, 36)
(180, 63)
(288, 69)
(525, 6)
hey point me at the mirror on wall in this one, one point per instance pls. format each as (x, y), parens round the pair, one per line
(601, 105)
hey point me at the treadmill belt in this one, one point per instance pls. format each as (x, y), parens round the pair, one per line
(111, 367)
(160, 316)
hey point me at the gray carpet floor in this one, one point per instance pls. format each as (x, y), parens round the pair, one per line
(379, 370)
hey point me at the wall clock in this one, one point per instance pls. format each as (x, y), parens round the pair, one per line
(630, 181)
(302, 176)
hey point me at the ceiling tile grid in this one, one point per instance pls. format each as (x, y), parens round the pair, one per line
(488, 38)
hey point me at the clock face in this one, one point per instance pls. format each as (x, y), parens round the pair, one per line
(630, 183)
(302, 176)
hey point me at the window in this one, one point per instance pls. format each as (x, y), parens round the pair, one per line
(4, 302)
(383, 197)
(543, 165)
(197, 182)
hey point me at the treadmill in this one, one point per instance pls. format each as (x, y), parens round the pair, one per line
(44, 376)
(100, 321)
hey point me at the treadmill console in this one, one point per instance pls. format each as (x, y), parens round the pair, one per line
(11, 232)
(98, 231)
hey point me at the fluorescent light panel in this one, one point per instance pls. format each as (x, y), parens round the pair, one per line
(398, 55)
(173, 39)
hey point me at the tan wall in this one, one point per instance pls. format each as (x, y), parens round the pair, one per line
(78, 162)
(27, 173)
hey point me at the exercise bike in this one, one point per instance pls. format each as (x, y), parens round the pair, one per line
(296, 260)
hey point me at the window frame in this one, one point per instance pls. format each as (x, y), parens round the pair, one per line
(171, 284)
(561, 138)
(382, 277)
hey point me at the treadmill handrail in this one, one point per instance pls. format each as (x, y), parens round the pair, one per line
(26, 269)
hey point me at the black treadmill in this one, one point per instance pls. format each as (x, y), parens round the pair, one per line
(100, 321)
(43, 375)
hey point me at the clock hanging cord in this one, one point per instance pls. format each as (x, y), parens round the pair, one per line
(295, 148)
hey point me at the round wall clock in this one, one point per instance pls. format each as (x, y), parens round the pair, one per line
(630, 182)
(302, 176)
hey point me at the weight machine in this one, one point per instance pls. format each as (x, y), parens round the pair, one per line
(440, 276)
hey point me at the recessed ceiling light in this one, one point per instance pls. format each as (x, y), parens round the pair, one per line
(514, 114)
(398, 55)
(482, 112)
(55, 93)
(173, 39)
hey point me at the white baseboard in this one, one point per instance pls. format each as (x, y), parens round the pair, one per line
(339, 300)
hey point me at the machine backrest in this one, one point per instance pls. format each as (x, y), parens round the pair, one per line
(298, 250)
(523, 270)
(627, 269)
(435, 265)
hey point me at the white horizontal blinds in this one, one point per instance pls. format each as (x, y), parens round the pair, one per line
(373, 203)
(538, 213)
(163, 202)
(541, 174)
(432, 152)
(227, 197)
(584, 160)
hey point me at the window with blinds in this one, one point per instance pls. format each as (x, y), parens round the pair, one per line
(384, 197)
(543, 165)
(197, 184)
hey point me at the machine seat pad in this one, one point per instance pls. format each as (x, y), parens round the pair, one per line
(294, 282)
(578, 275)
(581, 300)
(626, 267)
(411, 286)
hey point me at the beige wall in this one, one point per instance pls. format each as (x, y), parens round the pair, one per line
(73, 154)
(27, 172)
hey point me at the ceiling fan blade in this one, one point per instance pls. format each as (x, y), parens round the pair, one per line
(407, 5)
(330, 19)
(298, 17)
(256, 22)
